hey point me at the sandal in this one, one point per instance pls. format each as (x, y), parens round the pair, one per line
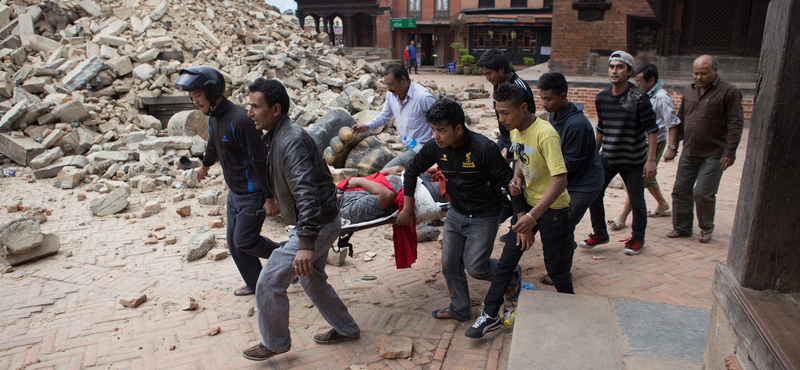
(447, 313)
(616, 223)
(705, 236)
(659, 212)
(545, 279)
(243, 291)
(677, 234)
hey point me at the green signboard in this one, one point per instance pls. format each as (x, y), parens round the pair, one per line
(403, 22)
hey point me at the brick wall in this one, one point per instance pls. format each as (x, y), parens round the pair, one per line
(573, 38)
(472, 4)
(586, 96)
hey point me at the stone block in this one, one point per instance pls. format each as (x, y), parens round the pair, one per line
(91, 7)
(144, 72)
(209, 197)
(26, 28)
(121, 66)
(184, 211)
(160, 10)
(21, 150)
(217, 254)
(47, 157)
(393, 346)
(111, 203)
(148, 56)
(200, 243)
(134, 302)
(115, 156)
(153, 206)
(52, 138)
(147, 122)
(43, 44)
(147, 185)
(337, 258)
(198, 146)
(70, 177)
(9, 120)
(83, 73)
(49, 246)
(158, 42)
(54, 168)
(21, 235)
(114, 28)
(188, 123)
(111, 40)
(71, 111)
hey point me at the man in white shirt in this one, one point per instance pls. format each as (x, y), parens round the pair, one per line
(407, 102)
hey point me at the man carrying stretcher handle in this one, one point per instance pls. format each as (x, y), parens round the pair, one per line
(475, 172)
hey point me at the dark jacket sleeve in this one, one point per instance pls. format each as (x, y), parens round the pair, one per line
(250, 141)
(575, 143)
(735, 122)
(210, 157)
(422, 161)
(297, 167)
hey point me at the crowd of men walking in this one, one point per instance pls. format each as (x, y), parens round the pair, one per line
(543, 174)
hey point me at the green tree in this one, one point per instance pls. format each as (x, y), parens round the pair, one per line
(275, 8)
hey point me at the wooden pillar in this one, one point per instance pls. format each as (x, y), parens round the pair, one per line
(755, 317)
(350, 32)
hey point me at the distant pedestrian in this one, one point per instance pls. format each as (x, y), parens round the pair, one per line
(646, 78)
(412, 57)
(712, 120)
(406, 59)
(627, 133)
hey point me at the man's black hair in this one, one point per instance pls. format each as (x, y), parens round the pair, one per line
(397, 70)
(648, 70)
(512, 93)
(554, 82)
(495, 60)
(274, 92)
(447, 110)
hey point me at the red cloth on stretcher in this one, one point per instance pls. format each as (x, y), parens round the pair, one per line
(403, 237)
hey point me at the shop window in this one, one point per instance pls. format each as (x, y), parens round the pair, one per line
(414, 8)
(527, 43)
(485, 3)
(481, 40)
(519, 3)
(442, 9)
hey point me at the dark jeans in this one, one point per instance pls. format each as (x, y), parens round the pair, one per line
(633, 177)
(553, 228)
(579, 202)
(412, 63)
(245, 243)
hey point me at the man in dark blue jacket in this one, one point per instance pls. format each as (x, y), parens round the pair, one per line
(578, 144)
(235, 142)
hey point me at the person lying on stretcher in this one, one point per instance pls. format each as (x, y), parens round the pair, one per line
(367, 198)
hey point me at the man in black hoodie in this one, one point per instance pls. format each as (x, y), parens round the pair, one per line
(578, 144)
(235, 142)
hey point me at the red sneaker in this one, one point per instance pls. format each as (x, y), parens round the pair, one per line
(634, 246)
(593, 241)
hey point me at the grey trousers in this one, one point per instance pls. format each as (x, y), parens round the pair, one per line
(467, 244)
(696, 185)
(273, 302)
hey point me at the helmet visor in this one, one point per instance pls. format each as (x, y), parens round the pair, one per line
(189, 82)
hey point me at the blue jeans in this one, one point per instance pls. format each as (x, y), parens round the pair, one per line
(467, 244)
(554, 230)
(245, 217)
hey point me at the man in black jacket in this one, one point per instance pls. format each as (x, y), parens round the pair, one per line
(235, 142)
(306, 197)
(475, 172)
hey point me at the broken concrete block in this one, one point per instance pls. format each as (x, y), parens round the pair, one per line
(144, 72)
(107, 155)
(427, 233)
(91, 7)
(153, 207)
(147, 185)
(83, 73)
(6, 86)
(70, 177)
(111, 40)
(200, 243)
(184, 211)
(188, 304)
(49, 246)
(43, 44)
(147, 122)
(393, 346)
(20, 149)
(200, 27)
(72, 111)
(188, 123)
(21, 235)
(52, 170)
(198, 146)
(217, 254)
(111, 203)
(9, 120)
(47, 157)
(121, 66)
(135, 302)
(337, 258)
(26, 28)
(209, 197)
(158, 42)
(52, 138)
(160, 10)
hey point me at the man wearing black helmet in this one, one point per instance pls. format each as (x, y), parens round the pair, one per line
(236, 143)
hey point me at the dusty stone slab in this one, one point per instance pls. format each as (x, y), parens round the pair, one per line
(217, 254)
(133, 302)
(46, 158)
(49, 246)
(72, 111)
(200, 243)
(54, 168)
(111, 203)
(393, 346)
(20, 149)
(21, 235)
(82, 73)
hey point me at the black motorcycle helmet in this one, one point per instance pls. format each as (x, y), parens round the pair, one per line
(203, 77)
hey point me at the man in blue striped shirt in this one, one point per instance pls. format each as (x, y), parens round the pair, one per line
(627, 134)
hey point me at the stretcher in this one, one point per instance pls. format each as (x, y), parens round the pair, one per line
(348, 230)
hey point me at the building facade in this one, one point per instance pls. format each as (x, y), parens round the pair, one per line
(364, 23)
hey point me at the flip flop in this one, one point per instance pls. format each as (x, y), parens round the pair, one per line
(545, 279)
(445, 311)
(616, 223)
(658, 212)
(243, 291)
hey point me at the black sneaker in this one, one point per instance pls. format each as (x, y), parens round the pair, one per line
(483, 325)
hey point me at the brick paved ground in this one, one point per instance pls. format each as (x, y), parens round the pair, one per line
(63, 312)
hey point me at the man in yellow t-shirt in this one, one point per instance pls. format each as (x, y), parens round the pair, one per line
(541, 174)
